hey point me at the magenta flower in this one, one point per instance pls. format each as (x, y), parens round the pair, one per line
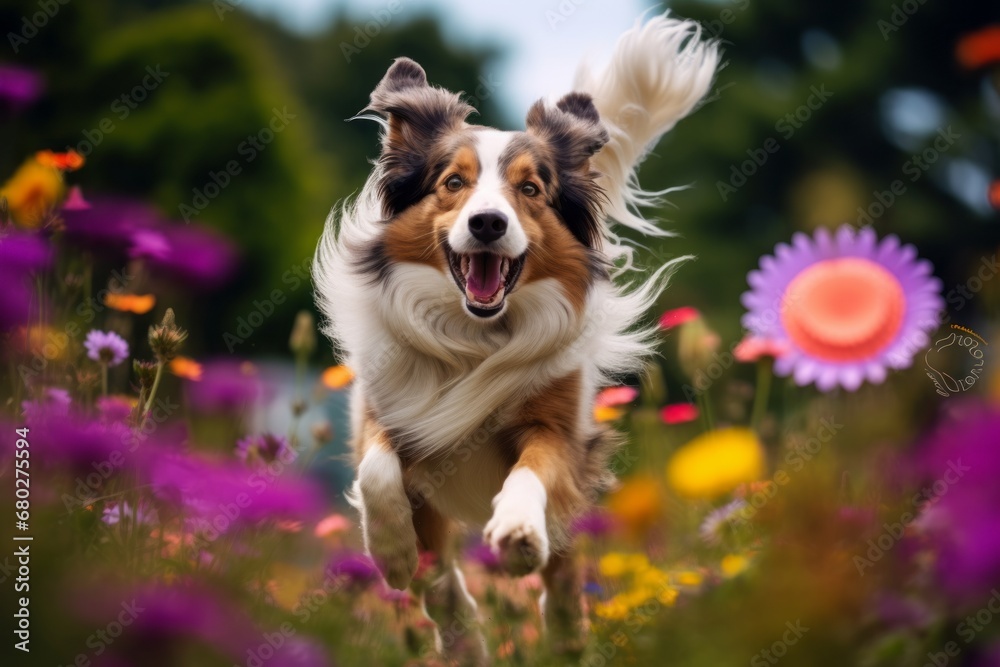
(114, 408)
(356, 568)
(481, 553)
(19, 87)
(184, 253)
(596, 523)
(106, 347)
(226, 386)
(21, 255)
(958, 471)
(53, 401)
(219, 495)
(107, 225)
(847, 306)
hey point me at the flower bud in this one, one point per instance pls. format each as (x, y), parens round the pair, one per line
(166, 338)
(303, 338)
(696, 346)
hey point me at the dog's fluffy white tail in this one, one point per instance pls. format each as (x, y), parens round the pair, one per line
(657, 75)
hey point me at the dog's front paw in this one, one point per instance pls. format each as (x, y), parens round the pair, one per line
(517, 535)
(392, 544)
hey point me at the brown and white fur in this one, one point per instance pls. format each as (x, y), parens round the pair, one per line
(469, 286)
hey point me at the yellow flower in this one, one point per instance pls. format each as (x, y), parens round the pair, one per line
(32, 191)
(614, 609)
(637, 503)
(668, 596)
(734, 564)
(337, 377)
(140, 304)
(617, 564)
(689, 578)
(715, 463)
(607, 413)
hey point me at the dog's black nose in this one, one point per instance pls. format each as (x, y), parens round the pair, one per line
(488, 226)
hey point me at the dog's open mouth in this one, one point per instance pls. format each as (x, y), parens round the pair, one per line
(486, 279)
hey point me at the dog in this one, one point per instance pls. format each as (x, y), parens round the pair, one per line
(470, 285)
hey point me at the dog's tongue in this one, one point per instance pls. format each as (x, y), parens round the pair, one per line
(483, 278)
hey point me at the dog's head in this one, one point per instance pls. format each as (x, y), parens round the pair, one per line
(493, 211)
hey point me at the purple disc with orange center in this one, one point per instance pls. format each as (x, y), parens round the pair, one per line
(846, 307)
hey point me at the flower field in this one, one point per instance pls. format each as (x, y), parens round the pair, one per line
(820, 488)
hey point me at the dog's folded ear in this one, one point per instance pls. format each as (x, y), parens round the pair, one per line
(574, 132)
(573, 128)
(417, 115)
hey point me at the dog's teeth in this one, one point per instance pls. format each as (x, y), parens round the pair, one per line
(465, 264)
(504, 267)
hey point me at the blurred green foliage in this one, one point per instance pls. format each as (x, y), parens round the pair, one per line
(229, 71)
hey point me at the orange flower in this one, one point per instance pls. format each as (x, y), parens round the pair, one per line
(994, 194)
(607, 413)
(186, 368)
(752, 348)
(140, 304)
(637, 503)
(68, 161)
(32, 192)
(979, 48)
(331, 525)
(337, 377)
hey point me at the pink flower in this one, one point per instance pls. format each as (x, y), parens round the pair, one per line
(612, 396)
(752, 348)
(679, 413)
(678, 316)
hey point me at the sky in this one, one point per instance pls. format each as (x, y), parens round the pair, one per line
(544, 39)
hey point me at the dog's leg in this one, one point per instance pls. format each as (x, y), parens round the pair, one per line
(386, 515)
(457, 634)
(562, 609)
(538, 489)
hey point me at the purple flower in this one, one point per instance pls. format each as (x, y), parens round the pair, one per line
(114, 408)
(164, 619)
(958, 471)
(482, 553)
(596, 523)
(188, 254)
(109, 224)
(114, 512)
(846, 307)
(21, 255)
(225, 386)
(357, 568)
(106, 347)
(267, 448)
(218, 495)
(53, 401)
(19, 87)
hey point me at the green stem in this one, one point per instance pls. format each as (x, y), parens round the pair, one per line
(762, 394)
(152, 392)
(705, 407)
(104, 379)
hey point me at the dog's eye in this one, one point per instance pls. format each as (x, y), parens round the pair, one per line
(529, 189)
(454, 183)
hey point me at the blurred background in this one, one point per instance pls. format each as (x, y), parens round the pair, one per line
(225, 123)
